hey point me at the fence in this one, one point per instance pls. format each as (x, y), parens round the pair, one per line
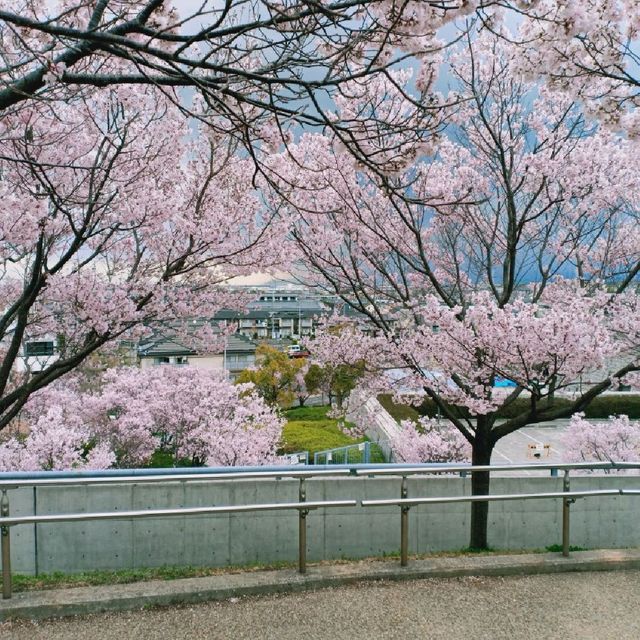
(405, 502)
(351, 454)
(299, 457)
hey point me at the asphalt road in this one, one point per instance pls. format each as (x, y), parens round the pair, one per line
(573, 605)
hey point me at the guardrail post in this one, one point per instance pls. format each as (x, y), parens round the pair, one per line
(566, 514)
(6, 548)
(302, 529)
(404, 525)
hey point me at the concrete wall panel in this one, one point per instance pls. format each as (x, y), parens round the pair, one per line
(272, 536)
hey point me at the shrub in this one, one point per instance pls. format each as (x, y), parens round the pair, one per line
(600, 408)
(307, 413)
(399, 412)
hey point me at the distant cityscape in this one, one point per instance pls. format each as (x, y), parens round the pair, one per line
(281, 314)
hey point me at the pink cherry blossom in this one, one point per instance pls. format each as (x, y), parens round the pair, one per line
(507, 251)
(195, 415)
(616, 439)
(430, 441)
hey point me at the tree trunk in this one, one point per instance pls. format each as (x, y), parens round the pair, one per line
(552, 392)
(481, 455)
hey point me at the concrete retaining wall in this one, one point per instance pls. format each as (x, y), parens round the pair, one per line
(364, 409)
(242, 539)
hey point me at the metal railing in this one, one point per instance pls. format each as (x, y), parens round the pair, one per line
(303, 506)
(568, 497)
(350, 454)
(299, 457)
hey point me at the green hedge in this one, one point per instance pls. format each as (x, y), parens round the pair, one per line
(600, 408)
(307, 413)
(609, 405)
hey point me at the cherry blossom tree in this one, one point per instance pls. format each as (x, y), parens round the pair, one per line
(196, 417)
(115, 220)
(301, 390)
(334, 371)
(616, 439)
(513, 252)
(126, 199)
(588, 50)
(431, 440)
(254, 68)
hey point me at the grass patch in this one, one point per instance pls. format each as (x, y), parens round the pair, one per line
(59, 580)
(557, 548)
(309, 429)
(312, 436)
(474, 550)
(398, 412)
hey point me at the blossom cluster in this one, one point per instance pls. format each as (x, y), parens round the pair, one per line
(194, 416)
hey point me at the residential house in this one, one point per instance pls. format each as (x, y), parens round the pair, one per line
(37, 354)
(235, 354)
(276, 316)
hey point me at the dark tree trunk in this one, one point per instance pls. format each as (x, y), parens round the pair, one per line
(552, 392)
(481, 455)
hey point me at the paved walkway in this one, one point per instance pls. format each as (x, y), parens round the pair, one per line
(586, 605)
(474, 596)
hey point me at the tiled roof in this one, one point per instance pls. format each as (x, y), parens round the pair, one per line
(261, 309)
(164, 346)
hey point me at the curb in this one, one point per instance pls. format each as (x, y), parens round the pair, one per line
(38, 605)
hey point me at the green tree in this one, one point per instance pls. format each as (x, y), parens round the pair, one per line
(275, 375)
(336, 381)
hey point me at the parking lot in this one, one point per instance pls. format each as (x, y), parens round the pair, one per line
(521, 446)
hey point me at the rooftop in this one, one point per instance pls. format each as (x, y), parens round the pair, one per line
(163, 345)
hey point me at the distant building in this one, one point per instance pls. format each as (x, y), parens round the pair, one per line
(37, 354)
(276, 315)
(238, 353)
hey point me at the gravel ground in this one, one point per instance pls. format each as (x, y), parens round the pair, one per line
(573, 605)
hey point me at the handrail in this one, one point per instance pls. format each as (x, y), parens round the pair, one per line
(491, 498)
(399, 470)
(16, 483)
(145, 476)
(568, 497)
(302, 506)
(164, 513)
